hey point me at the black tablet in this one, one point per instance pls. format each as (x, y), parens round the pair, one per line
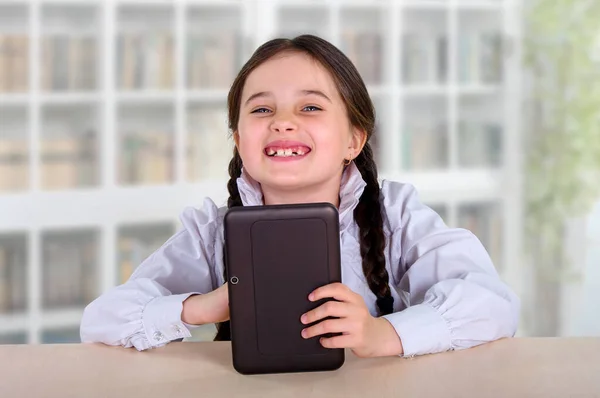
(275, 257)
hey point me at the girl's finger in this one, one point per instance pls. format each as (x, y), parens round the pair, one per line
(337, 291)
(343, 341)
(334, 309)
(327, 326)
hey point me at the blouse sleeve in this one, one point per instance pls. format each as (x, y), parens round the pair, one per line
(456, 298)
(145, 312)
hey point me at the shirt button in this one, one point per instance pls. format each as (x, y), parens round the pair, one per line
(158, 336)
(177, 329)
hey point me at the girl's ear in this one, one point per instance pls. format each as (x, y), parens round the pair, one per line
(236, 139)
(359, 139)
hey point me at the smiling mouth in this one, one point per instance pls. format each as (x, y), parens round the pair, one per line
(280, 152)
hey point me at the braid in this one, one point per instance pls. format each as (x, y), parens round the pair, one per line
(235, 171)
(372, 239)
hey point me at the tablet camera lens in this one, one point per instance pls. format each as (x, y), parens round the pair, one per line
(234, 280)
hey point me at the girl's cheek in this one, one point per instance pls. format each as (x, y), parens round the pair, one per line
(252, 126)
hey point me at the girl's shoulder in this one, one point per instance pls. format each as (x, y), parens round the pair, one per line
(399, 201)
(397, 192)
(205, 220)
(398, 195)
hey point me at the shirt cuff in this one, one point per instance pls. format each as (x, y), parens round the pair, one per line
(422, 330)
(162, 319)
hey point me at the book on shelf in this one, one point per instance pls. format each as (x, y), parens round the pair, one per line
(14, 63)
(479, 144)
(14, 164)
(365, 50)
(13, 278)
(61, 336)
(132, 253)
(68, 271)
(441, 211)
(209, 148)
(375, 141)
(135, 248)
(145, 61)
(69, 63)
(480, 57)
(424, 58)
(424, 145)
(13, 338)
(69, 161)
(146, 158)
(213, 59)
(484, 221)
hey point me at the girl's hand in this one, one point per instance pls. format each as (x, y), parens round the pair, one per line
(212, 307)
(365, 335)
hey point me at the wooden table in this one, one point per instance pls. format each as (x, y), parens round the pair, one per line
(507, 368)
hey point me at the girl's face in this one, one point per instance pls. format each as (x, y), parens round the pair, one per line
(294, 132)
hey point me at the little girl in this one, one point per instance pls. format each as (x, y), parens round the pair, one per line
(301, 119)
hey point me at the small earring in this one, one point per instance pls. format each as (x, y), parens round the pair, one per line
(347, 162)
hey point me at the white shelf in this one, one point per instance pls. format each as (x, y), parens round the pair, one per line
(95, 207)
(11, 323)
(309, 4)
(14, 99)
(98, 207)
(425, 4)
(216, 3)
(479, 89)
(113, 111)
(453, 186)
(70, 98)
(210, 95)
(146, 96)
(483, 5)
(50, 319)
(56, 319)
(72, 2)
(378, 90)
(486, 5)
(418, 90)
(213, 95)
(442, 89)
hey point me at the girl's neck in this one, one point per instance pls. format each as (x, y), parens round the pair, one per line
(328, 192)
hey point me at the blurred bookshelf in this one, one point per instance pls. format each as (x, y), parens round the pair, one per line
(60, 335)
(136, 243)
(146, 144)
(69, 151)
(13, 338)
(13, 273)
(207, 147)
(113, 119)
(69, 267)
(145, 47)
(69, 48)
(14, 148)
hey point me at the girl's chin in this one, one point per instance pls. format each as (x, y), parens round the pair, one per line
(286, 182)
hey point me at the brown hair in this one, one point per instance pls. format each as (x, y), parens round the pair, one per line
(361, 113)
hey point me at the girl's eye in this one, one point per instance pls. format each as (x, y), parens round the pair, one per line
(260, 110)
(311, 108)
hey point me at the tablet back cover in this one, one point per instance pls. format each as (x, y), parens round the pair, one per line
(276, 256)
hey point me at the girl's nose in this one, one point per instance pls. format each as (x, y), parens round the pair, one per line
(283, 124)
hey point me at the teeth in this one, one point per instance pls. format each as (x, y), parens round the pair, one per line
(285, 152)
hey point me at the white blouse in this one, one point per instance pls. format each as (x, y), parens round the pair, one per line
(447, 293)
